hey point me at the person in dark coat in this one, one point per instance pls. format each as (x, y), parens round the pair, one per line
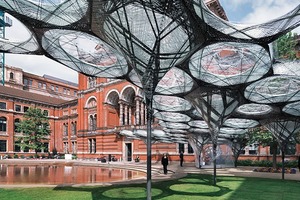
(165, 162)
(181, 158)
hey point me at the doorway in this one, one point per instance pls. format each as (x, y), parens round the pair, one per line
(128, 151)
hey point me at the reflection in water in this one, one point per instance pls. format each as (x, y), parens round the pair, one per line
(61, 174)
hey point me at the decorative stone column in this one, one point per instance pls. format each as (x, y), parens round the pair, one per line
(129, 114)
(126, 115)
(137, 111)
(142, 114)
(121, 114)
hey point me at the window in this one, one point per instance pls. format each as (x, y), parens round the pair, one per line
(65, 91)
(17, 147)
(52, 87)
(75, 93)
(74, 127)
(16, 124)
(26, 108)
(45, 112)
(66, 149)
(56, 88)
(74, 147)
(190, 149)
(18, 108)
(68, 91)
(2, 145)
(180, 147)
(40, 85)
(2, 105)
(44, 86)
(2, 124)
(93, 122)
(11, 75)
(65, 127)
(27, 82)
(92, 145)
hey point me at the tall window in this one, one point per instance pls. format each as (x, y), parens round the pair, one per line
(2, 145)
(17, 147)
(26, 108)
(180, 147)
(92, 122)
(66, 149)
(74, 147)
(27, 82)
(92, 145)
(73, 128)
(17, 121)
(65, 127)
(2, 124)
(11, 75)
(2, 105)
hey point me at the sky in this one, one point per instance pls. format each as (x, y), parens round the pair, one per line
(238, 11)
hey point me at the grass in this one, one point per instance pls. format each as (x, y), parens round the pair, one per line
(192, 187)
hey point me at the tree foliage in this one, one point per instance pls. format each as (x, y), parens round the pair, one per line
(264, 137)
(35, 128)
(286, 46)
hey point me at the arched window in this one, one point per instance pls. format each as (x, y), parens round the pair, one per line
(74, 127)
(65, 127)
(11, 75)
(2, 124)
(91, 122)
(95, 122)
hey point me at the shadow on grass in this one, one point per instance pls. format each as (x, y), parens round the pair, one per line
(191, 186)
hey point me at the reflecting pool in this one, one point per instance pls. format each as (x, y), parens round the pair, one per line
(63, 174)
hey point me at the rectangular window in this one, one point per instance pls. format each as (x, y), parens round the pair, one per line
(27, 82)
(18, 108)
(45, 112)
(66, 149)
(26, 108)
(17, 146)
(74, 147)
(40, 85)
(2, 145)
(52, 87)
(2, 105)
(180, 147)
(56, 88)
(65, 91)
(92, 145)
(75, 93)
(44, 86)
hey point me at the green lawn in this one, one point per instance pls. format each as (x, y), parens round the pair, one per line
(194, 186)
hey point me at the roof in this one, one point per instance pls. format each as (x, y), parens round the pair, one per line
(29, 96)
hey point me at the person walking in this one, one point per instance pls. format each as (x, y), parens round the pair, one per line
(165, 162)
(181, 158)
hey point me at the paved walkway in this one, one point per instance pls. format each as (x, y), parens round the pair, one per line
(174, 170)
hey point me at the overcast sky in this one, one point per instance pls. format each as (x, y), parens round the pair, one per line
(240, 11)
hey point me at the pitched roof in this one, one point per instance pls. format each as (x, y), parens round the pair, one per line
(29, 96)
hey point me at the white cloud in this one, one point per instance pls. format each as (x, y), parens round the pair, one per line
(41, 65)
(265, 10)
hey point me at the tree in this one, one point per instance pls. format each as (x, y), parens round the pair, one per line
(35, 128)
(264, 137)
(285, 46)
(238, 143)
